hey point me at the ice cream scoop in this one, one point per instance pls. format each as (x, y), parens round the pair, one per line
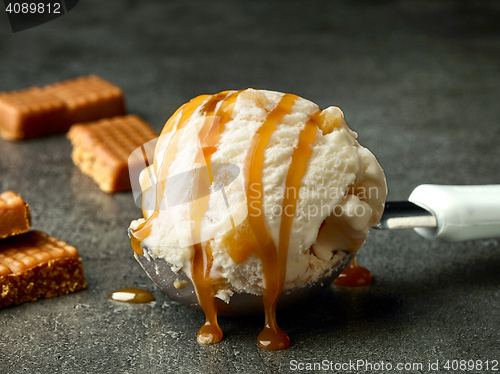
(466, 212)
(254, 195)
(179, 287)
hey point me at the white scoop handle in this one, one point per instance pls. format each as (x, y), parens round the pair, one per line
(462, 212)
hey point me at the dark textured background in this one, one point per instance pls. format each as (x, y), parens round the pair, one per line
(420, 83)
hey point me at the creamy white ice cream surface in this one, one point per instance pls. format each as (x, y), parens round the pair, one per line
(340, 196)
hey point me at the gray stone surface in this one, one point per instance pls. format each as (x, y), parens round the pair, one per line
(420, 83)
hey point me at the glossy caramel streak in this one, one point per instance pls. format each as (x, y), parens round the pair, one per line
(297, 170)
(185, 112)
(141, 233)
(209, 135)
(210, 332)
(271, 337)
(205, 103)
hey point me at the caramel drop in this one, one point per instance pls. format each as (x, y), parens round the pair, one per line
(209, 333)
(354, 275)
(273, 338)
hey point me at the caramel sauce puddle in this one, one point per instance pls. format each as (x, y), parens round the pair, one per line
(132, 295)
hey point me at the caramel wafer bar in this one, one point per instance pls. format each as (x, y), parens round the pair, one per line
(41, 111)
(30, 113)
(35, 265)
(89, 98)
(15, 215)
(101, 149)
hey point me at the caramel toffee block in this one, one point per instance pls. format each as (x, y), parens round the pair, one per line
(35, 265)
(15, 215)
(29, 113)
(101, 149)
(89, 98)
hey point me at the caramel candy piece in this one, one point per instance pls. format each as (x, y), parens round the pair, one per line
(101, 149)
(15, 217)
(35, 265)
(29, 113)
(89, 98)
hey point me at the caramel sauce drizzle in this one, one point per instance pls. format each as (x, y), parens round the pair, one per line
(204, 284)
(271, 337)
(185, 112)
(209, 136)
(273, 259)
(354, 275)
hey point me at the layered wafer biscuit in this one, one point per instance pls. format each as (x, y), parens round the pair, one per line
(89, 98)
(15, 215)
(101, 149)
(35, 265)
(54, 108)
(29, 113)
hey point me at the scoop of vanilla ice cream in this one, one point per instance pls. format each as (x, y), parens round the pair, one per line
(341, 194)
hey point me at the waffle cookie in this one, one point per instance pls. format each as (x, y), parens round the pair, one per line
(101, 149)
(89, 98)
(35, 265)
(15, 217)
(30, 113)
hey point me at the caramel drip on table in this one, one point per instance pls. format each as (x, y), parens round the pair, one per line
(354, 275)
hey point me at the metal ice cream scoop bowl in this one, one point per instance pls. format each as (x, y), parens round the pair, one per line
(162, 275)
(448, 213)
